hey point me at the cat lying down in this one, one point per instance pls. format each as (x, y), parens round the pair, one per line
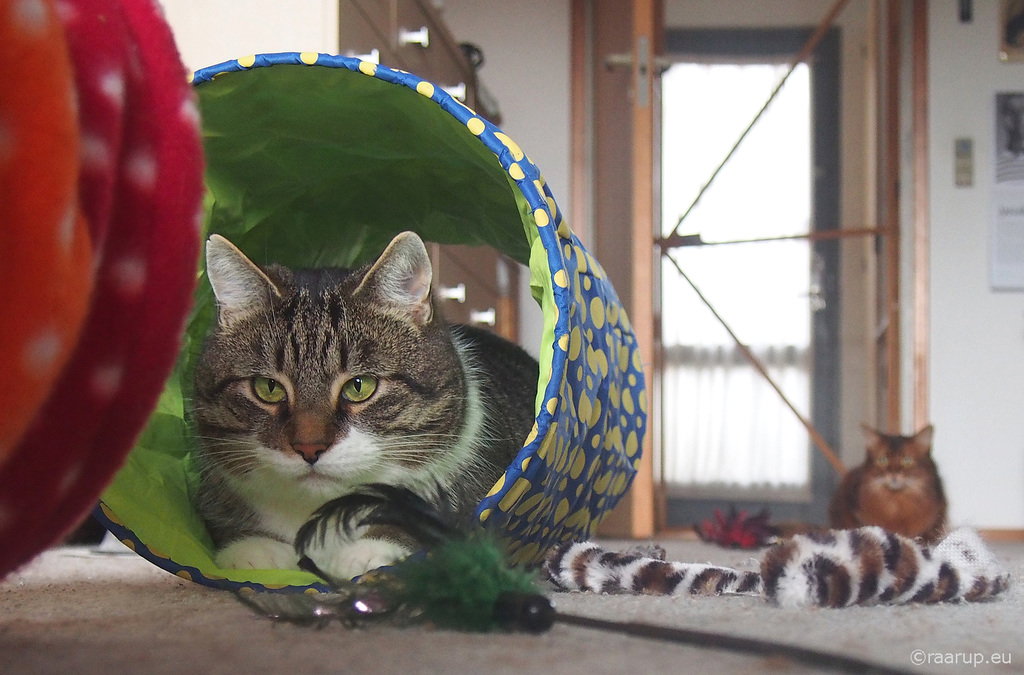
(837, 568)
(315, 382)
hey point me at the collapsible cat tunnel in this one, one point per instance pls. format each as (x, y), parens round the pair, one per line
(315, 159)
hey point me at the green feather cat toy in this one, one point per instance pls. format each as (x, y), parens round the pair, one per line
(462, 581)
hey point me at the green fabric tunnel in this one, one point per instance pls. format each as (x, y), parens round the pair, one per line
(315, 159)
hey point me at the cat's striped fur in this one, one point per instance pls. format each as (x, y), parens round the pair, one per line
(838, 568)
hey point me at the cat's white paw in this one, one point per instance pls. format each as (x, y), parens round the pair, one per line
(363, 555)
(257, 553)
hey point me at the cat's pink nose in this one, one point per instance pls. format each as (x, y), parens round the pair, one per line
(309, 451)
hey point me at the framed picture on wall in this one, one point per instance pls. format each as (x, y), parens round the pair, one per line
(1009, 137)
(1011, 34)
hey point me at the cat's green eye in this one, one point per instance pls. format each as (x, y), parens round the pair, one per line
(268, 390)
(359, 388)
(882, 462)
(907, 462)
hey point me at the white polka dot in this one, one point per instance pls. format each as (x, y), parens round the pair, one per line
(189, 112)
(66, 229)
(135, 70)
(106, 380)
(30, 16)
(41, 352)
(112, 86)
(200, 219)
(94, 153)
(66, 12)
(72, 101)
(140, 169)
(129, 276)
(69, 479)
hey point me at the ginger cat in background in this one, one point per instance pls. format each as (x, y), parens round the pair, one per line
(898, 487)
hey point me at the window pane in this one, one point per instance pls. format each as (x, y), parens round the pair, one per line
(722, 422)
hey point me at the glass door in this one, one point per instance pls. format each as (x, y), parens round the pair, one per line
(727, 437)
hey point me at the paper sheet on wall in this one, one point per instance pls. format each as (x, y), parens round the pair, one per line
(1006, 256)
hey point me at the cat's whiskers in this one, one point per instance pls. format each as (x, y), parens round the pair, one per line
(240, 466)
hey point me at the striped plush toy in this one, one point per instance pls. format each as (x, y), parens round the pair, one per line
(837, 568)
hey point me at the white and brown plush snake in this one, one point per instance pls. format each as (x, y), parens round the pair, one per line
(837, 568)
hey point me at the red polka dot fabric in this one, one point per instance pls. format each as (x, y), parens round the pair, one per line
(137, 182)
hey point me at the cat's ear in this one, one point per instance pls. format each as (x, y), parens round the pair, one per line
(240, 287)
(872, 436)
(873, 441)
(923, 439)
(400, 279)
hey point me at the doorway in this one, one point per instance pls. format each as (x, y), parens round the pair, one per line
(727, 438)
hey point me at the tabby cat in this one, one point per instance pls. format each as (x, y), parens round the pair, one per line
(314, 382)
(898, 487)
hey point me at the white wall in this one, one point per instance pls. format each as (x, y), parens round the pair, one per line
(526, 47)
(977, 335)
(209, 32)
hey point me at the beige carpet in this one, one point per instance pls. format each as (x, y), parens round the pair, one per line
(77, 611)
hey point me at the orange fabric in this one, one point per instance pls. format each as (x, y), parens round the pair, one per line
(45, 250)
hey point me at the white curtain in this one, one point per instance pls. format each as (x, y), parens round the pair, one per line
(723, 423)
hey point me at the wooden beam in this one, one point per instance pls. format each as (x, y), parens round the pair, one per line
(582, 127)
(691, 240)
(891, 187)
(645, 34)
(921, 220)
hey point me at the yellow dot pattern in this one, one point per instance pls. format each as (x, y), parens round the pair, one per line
(425, 88)
(476, 126)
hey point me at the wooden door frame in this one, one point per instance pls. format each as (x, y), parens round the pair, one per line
(635, 514)
(890, 343)
(648, 31)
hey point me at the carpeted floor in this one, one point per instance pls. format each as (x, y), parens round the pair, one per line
(74, 610)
